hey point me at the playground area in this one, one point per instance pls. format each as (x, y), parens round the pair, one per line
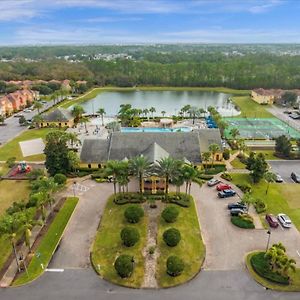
(253, 128)
(22, 171)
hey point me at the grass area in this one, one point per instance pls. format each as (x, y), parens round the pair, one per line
(250, 108)
(237, 164)
(191, 248)
(49, 242)
(108, 245)
(281, 198)
(269, 154)
(12, 148)
(94, 92)
(294, 285)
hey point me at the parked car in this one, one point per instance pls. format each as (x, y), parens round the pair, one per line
(27, 110)
(278, 178)
(226, 193)
(272, 221)
(236, 211)
(284, 220)
(295, 177)
(287, 112)
(237, 205)
(44, 102)
(18, 115)
(223, 186)
(213, 182)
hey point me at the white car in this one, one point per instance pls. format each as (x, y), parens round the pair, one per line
(213, 182)
(284, 220)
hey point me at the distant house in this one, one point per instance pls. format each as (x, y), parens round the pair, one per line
(59, 117)
(186, 146)
(65, 85)
(263, 96)
(6, 106)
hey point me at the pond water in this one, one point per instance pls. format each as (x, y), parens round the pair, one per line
(169, 101)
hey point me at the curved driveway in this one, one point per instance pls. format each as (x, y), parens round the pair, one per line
(223, 277)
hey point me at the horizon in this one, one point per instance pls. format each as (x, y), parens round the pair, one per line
(137, 22)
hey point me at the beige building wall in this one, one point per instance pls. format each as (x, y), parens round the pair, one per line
(262, 99)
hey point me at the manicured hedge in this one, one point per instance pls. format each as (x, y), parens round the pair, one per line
(226, 176)
(181, 199)
(130, 236)
(175, 265)
(124, 265)
(242, 222)
(133, 213)
(170, 214)
(172, 237)
(262, 267)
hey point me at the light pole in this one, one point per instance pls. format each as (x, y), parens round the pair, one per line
(269, 237)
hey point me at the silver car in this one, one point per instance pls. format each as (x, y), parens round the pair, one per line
(213, 182)
(284, 220)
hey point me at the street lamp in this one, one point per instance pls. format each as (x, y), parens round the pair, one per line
(269, 236)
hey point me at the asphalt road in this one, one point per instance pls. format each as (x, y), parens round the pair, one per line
(284, 168)
(12, 127)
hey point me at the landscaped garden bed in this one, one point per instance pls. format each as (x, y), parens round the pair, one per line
(243, 221)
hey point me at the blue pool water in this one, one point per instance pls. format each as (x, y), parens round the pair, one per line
(155, 129)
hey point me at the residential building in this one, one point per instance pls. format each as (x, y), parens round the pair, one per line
(59, 117)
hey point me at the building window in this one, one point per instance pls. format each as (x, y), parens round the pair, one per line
(99, 166)
(89, 166)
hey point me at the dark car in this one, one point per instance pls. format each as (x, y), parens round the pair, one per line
(226, 193)
(237, 205)
(236, 211)
(272, 221)
(295, 177)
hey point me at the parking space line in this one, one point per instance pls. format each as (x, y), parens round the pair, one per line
(298, 253)
(281, 226)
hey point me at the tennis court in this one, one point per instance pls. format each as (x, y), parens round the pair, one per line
(252, 128)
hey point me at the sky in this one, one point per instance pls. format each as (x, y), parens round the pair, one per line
(36, 22)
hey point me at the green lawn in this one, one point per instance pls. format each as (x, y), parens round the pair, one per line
(250, 108)
(94, 92)
(108, 245)
(191, 248)
(237, 164)
(294, 286)
(12, 148)
(48, 243)
(281, 198)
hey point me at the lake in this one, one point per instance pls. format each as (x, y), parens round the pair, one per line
(169, 101)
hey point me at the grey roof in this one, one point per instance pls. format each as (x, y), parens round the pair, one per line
(155, 152)
(179, 145)
(58, 115)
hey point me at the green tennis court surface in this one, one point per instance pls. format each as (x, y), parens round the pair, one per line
(252, 128)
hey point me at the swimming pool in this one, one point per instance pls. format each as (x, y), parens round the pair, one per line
(155, 129)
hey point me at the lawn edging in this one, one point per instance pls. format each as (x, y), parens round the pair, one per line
(68, 209)
(266, 283)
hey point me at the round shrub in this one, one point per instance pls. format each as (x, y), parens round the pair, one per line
(170, 214)
(124, 265)
(175, 265)
(130, 236)
(133, 213)
(60, 178)
(172, 237)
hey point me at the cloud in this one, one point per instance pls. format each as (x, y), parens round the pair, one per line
(17, 10)
(112, 19)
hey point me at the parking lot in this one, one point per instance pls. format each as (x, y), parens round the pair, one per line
(284, 168)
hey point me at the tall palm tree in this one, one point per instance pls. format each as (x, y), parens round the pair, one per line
(206, 157)
(73, 138)
(113, 168)
(168, 168)
(185, 109)
(189, 174)
(140, 167)
(77, 112)
(269, 177)
(9, 226)
(84, 120)
(37, 105)
(194, 113)
(213, 149)
(101, 112)
(178, 181)
(146, 112)
(287, 265)
(163, 113)
(152, 110)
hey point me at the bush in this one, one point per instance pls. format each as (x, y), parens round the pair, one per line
(100, 180)
(226, 154)
(130, 236)
(216, 169)
(226, 176)
(245, 188)
(262, 267)
(172, 237)
(170, 214)
(124, 265)
(243, 221)
(133, 213)
(260, 206)
(60, 179)
(175, 266)
(124, 198)
(11, 162)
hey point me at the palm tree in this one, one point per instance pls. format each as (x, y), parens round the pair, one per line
(152, 110)
(213, 149)
(206, 157)
(73, 138)
(178, 181)
(84, 120)
(9, 226)
(189, 174)
(202, 111)
(269, 177)
(101, 112)
(37, 105)
(163, 113)
(185, 109)
(77, 112)
(140, 167)
(113, 126)
(113, 169)
(168, 168)
(194, 112)
(287, 265)
(37, 119)
(146, 112)
(234, 132)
